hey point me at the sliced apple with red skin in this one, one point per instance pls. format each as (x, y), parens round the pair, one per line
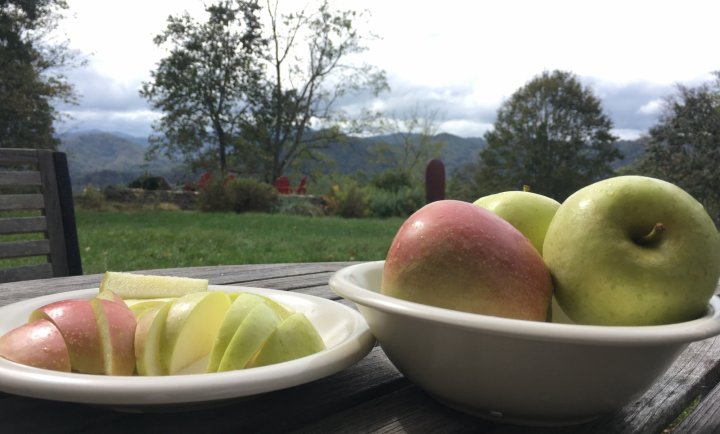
(117, 324)
(75, 319)
(38, 343)
(191, 326)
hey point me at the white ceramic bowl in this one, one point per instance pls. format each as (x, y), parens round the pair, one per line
(518, 371)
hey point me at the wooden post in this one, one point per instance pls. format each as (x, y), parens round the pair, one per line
(434, 181)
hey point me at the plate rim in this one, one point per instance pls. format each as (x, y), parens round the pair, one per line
(139, 391)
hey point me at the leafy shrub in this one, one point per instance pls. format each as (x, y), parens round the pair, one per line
(392, 180)
(149, 182)
(351, 202)
(215, 197)
(400, 203)
(250, 195)
(91, 198)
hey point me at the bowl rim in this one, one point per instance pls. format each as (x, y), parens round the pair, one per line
(343, 283)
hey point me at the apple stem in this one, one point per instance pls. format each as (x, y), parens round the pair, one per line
(653, 236)
(526, 188)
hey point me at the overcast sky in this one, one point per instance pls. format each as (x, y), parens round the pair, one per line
(459, 58)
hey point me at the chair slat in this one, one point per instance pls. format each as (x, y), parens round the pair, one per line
(26, 272)
(23, 225)
(21, 249)
(16, 202)
(19, 178)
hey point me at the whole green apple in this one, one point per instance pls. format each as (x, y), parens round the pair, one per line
(530, 213)
(459, 256)
(632, 250)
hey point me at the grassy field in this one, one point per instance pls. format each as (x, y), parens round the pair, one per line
(136, 240)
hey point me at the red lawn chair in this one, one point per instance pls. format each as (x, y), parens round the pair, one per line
(301, 188)
(282, 185)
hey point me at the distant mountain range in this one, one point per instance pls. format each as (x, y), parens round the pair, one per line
(105, 158)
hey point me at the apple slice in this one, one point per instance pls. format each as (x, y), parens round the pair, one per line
(138, 306)
(236, 313)
(76, 321)
(255, 329)
(111, 296)
(243, 303)
(129, 285)
(38, 343)
(116, 323)
(191, 327)
(148, 333)
(295, 337)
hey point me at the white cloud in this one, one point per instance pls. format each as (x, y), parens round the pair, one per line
(460, 58)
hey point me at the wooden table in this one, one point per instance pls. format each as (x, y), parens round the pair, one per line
(370, 396)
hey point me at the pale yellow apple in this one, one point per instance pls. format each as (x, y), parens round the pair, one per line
(191, 327)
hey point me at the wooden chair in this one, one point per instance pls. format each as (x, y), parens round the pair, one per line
(37, 216)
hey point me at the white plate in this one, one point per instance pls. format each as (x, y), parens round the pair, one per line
(345, 332)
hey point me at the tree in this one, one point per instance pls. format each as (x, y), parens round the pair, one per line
(30, 73)
(684, 146)
(205, 86)
(238, 96)
(406, 144)
(551, 135)
(297, 116)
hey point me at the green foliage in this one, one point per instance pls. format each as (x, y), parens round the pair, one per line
(249, 195)
(551, 135)
(29, 77)
(349, 202)
(91, 198)
(215, 197)
(394, 203)
(149, 182)
(392, 180)
(684, 146)
(238, 195)
(204, 85)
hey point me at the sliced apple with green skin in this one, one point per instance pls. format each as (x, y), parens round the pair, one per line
(148, 334)
(140, 306)
(236, 313)
(77, 323)
(255, 329)
(117, 324)
(38, 343)
(295, 337)
(130, 285)
(191, 327)
(243, 303)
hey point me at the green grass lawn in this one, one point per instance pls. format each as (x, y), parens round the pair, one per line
(136, 240)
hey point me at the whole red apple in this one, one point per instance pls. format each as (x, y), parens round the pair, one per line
(459, 256)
